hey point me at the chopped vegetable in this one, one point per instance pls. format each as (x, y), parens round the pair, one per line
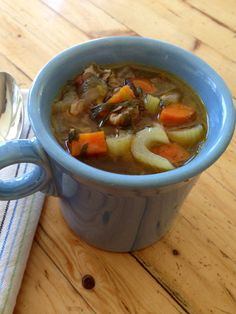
(77, 107)
(104, 112)
(124, 117)
(169, 98)
(114, 81)
(64, 104)
(131, 85)
(139, 110)
(93, 89)
(101, 110)
(187, 136)
(175, 153)
(92, 70)
(106, 74)
(177, 114)
(124, 93)
(151, 104)
(89, 144)
(142, 143)
(119, 146)
(145, 84)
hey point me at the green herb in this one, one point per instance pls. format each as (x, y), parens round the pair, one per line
(110, 108)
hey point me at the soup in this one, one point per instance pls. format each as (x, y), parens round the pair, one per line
(129, 119)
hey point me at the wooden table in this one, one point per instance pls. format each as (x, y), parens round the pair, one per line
(193, 268)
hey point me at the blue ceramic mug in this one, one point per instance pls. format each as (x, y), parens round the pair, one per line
(112, 211)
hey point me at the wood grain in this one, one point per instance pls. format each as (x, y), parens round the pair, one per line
(192, 269)
(224, 12)
(204, 26)
(204, 237)
(22, 79)
(93, 21)
(118, 289)
(45, 283)
(27, 33)
(149, 21)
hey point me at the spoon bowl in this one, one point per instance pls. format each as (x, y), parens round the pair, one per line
(11, 108)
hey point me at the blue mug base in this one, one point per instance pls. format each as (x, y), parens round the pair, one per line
(144, 228)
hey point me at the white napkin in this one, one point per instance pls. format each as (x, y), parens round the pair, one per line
(18, 223)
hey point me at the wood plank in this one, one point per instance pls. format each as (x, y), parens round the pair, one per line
(22, 79)
(150, 23)
(92, 20)
(117, 290)
(194, 21)
(223, 11)
(224, 67)
(46, 284)
(54, 31)
(22, 56)
(203, 235)
(196, 260)
(224, 170)
(22, 29)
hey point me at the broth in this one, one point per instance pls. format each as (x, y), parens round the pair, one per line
(129, 119)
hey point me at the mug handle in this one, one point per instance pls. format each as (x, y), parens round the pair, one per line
(24, 151)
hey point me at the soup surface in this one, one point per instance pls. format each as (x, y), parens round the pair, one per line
(129, 119)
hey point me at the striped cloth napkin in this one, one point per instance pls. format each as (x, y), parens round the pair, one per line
(18, 223)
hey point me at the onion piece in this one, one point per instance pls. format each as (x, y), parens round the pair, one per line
(170, 98)
(146, 138)
(77, 107)
(186, 136)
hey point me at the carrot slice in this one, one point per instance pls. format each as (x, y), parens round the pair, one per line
(124, 93)
(145, 84)
(173, 152)
(177, 114)
(90, 143)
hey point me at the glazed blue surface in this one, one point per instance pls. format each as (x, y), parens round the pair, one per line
(204, 80)
(18, 151)
(118, 221)
(112, 211)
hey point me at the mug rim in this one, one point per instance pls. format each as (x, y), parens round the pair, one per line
(80, 169)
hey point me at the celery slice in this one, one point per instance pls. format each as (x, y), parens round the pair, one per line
(119, 146)
(141, 144)
(187, 136)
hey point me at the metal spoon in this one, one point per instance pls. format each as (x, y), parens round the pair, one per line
(11, 108)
